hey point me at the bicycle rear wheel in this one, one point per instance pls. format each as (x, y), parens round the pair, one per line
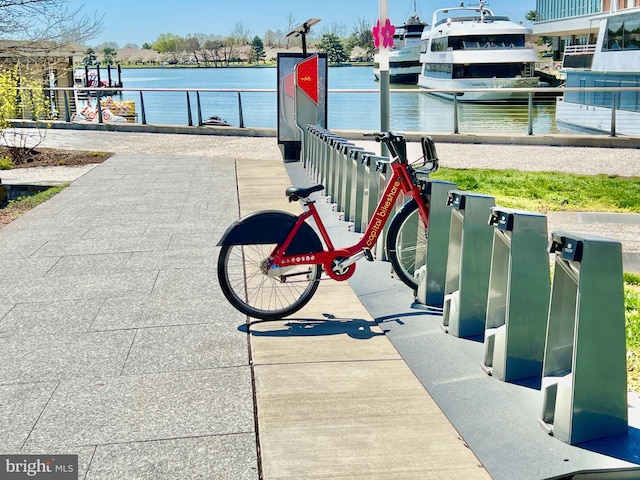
(245, 283)
(406, 243)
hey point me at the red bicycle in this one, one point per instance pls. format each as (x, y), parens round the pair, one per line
(271, 261)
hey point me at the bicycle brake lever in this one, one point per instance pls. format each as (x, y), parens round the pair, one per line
(377, 136)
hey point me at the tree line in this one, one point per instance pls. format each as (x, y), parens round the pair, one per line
(210, 50)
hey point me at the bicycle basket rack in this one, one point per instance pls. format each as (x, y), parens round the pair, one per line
(430, 157)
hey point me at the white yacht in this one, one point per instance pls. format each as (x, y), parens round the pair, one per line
(614, 61)
(404, 57)
(470, 47)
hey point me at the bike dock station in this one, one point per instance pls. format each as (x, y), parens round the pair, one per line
(554, 351)
(468, 264)
(432, 273)
(584, 379)
(517, 317)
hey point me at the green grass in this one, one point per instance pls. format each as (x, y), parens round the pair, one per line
(22, 205)
(632, 319)
(548, 191)
(35, 200)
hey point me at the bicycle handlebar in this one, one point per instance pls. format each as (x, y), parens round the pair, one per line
(384, 137)
(392, 141)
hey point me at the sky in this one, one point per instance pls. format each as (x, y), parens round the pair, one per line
(140, 21)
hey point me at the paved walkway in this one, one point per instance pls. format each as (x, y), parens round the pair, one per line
(117, 345)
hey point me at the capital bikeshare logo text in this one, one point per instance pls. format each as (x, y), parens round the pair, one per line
(39, 467)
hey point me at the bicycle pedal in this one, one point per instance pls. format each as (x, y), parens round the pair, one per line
(367, 254)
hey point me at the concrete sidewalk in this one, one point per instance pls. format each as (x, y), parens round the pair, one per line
(116, 343)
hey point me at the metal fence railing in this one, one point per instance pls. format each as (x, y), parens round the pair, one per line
(537, 111)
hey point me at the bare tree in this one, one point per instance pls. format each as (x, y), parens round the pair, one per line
(291, 24)
(291, 21)
(337, 29)
(240, 34)
(36, 27)
(37, 21)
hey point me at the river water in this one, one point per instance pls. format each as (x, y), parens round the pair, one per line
(415, 110)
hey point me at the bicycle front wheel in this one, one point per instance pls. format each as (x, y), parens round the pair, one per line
(245, 283)
(406, 243)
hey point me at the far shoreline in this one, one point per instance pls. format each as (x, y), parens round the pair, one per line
(188, 66)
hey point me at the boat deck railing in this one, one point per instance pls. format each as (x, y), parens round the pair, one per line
(142, 105)
(579, 49)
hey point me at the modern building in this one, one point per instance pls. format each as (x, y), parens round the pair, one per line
(598, 42)
(574, 22)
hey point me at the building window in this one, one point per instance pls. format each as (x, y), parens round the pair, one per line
(557, 9)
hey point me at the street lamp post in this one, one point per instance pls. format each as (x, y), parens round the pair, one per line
(301, 31)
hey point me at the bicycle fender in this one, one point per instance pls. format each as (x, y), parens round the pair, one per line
(410, 205)
(272, 226)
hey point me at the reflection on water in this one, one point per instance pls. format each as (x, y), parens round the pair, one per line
(415, 110)
(421, 111)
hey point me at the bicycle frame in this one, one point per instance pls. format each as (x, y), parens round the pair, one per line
(337, 263)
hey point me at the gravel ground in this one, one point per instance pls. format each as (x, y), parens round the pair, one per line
(45, 174)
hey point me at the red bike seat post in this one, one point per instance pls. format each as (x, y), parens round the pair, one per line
(318, 221)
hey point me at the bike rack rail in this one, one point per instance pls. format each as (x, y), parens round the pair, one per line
(432, 273)
(584, 379)
(517, 317)
(468, 264)
(567, 337)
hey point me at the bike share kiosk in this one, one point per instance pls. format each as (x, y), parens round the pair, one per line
(584, 371)
(518, 300)
(302, 94)
(468, 264)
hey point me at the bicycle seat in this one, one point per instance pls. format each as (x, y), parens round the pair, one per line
(296, 193)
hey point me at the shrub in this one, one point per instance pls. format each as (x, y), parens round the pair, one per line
(6, 163)
(21, 97)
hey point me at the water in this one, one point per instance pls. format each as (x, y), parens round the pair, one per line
(415, 110)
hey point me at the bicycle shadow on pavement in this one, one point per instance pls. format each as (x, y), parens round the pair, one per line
(356, 328)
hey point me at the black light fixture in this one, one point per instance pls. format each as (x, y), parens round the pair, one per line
(302, 31)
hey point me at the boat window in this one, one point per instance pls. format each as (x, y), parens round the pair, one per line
(439, 45)
(438, 70)
(489, 70)
(629, 100)
(632, 35)
(614, 36)
(623, 33)
(600, 97)
(472, 42)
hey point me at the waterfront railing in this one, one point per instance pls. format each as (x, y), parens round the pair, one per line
(616, 110)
